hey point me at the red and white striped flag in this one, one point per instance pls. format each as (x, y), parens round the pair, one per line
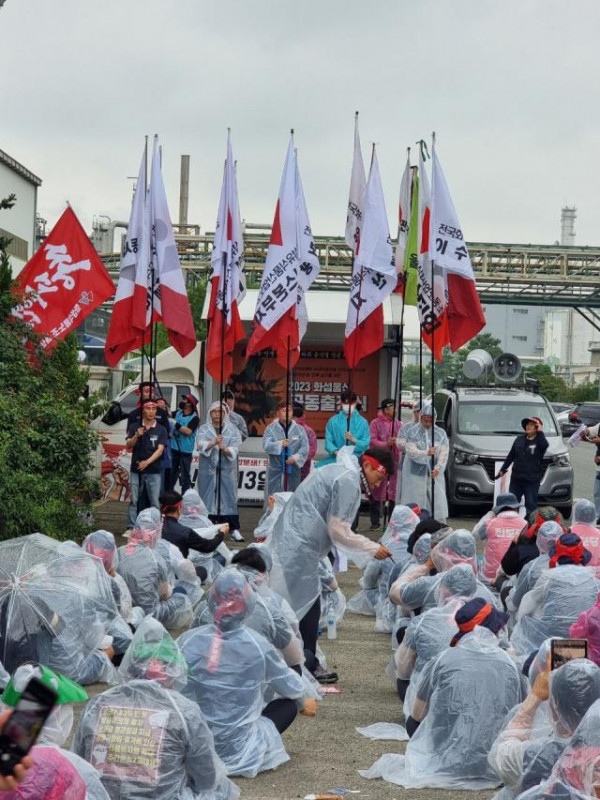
(374, 275)
(227, 278)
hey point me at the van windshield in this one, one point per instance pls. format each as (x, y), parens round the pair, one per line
(487, 418)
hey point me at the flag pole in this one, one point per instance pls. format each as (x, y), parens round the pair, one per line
(221, 381)
(432, 371)
(287, 419)
(143, 352)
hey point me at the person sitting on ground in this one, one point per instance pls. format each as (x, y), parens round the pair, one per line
(560, 594)
(498, 532)
(460, 707)
(230, 668)
(181, 536)
(50, 776)
(194, 515)
(587, 626)
(318, 517)
(583, 523)
(146, 739)
(524, 548)
(58, 726)
(146, 574)
(275, 505)
(523, 758)
(546, 538)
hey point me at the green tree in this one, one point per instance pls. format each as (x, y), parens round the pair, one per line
(46, 445)
(551, 386)
(585, 391)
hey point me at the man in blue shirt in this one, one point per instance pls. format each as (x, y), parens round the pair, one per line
(182, 445)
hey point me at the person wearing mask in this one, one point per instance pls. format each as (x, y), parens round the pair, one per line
(236, 419)
(527, 458)
(318, 517)
(498, 531)
(418, 475)
(339, 433)
(560, 594)
(286, 444)
(523, 755)
(385, 431)
(184, 538)
(460, 707)
(58, 726)
(230, 668)
(546, 538)
(310, 435)
(183, 441)
(144, 737)
(583, 523)
(218, 444)
(146, 443)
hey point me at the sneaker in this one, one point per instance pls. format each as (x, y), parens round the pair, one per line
(323, 676)
(236, 536)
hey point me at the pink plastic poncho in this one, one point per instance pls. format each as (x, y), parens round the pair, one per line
(499, 533)
(52, 777)
(381, 431)
(587, 626)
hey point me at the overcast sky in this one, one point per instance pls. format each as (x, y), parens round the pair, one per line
(510, 87)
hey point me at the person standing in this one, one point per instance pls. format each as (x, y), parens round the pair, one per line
(184, 438)
(218, 443)
(527, 458)
(286, 444)
(147, 392)
(417, 474)
(385, 431)
(146, 442)
(235, 418)
(338, 434)
(313, 443)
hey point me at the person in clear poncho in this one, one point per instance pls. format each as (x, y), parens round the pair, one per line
(58, 726)
(547, 535)
(194, 515)
(560, 594)
(286, 444)
(376, 575)
(319, 516)
(587, 626)
(398, 617)
(52, 777)
(416, 465)
(583, 523)
(146, 739)
(230, 668)
(219, 442)
(579, 765)
(146, 574)
(524, 753)
(275, 505)
(460, 707)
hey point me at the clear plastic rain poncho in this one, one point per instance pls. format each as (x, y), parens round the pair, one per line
(426, 637)
(547, 535)
(579, 765)
(194, 515)
(267, 522)
(416, 466)
(554, 790)
(467, 692)
(318, 516)
(144, 737)
(55, 606)
(146, 574)
(209, 461)
(333, 601)
(587, 626)
(230, 668)
(552, 606)
(584, 525)
(52, 777)
(297, 449)
(376, 575)
(536, 733)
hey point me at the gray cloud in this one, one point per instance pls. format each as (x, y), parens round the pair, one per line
(510, 88)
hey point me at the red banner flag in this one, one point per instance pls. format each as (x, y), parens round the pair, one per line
(62, 283)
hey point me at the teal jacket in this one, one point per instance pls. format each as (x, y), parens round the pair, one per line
(335, 435)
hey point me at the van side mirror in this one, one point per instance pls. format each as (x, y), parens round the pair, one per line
(114, 415)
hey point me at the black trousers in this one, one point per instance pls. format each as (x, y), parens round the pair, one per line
(309, 630)
(233, 520)
(281, 712)
(181, 464)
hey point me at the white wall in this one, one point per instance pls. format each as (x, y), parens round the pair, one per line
(20, 220)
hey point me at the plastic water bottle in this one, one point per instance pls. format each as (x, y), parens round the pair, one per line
(331, 626)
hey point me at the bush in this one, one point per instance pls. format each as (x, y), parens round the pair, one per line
(45, 445)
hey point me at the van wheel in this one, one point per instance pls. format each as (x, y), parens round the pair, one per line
(566, 511)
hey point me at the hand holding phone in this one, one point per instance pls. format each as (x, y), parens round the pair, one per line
(23, 726)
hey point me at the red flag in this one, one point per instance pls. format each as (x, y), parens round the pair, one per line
(62, 283)
(228, 282)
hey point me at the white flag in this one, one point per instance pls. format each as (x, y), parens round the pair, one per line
(403, 215)
(358, 183)
(309, 266)
(374, 276)
(135, 261)
(228, 247)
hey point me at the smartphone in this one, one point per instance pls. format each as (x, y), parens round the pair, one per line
(24, 725)
(563, 650)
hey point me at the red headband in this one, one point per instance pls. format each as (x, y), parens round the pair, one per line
(573, 551)
(469, 625)
(376, 465)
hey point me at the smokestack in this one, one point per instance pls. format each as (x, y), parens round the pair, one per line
(568, 215)
(184, 190)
